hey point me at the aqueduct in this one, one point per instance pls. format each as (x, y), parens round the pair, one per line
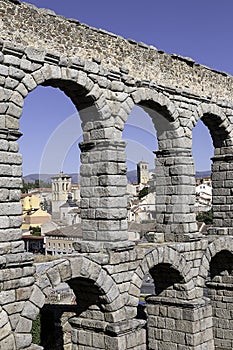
(105, 76)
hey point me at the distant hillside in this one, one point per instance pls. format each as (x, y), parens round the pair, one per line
(47, 177)
(201, 174)
(131, 176)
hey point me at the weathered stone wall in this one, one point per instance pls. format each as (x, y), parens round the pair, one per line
(221, 295)
(40, 28)
(173, 324)
(178, 315)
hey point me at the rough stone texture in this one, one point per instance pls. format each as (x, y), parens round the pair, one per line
(105, 76)
(173, 324)
(114, 52)
(222, 302)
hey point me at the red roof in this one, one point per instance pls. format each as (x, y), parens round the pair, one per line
(33, 237)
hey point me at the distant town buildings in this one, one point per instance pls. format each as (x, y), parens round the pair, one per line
(33, 215)
(142, 197)
(141, 205)
(203, 194)
(50, 217)
(55, 211)
(70, 212)
(60, 241)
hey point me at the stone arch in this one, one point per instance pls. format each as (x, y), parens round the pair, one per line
(89, 99)
(218, 245)
(78, 268)
(221, 130)
(160, 256)
(216, 276)
(66, 270)
(149, 100)
(171, 220)
(164, 115)
(215, 119)
(75, 83)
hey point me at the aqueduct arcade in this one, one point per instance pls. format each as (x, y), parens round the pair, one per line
(105, 76)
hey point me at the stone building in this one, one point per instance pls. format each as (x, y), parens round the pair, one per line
(69, 212)
(61, 187)
(60, 241)
(204, 195)
(33, 215)
(35, 218)
(191, 307)
(143, 172)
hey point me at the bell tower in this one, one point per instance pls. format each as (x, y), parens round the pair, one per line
(143, 172)
(61, 187)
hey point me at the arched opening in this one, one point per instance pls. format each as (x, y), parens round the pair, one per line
(87, 295)
(79, 297)
(203, 151)
(163, 285)
(220, 131)
(50, 124)
(81, 294)
(57, 128)
(165, 277)
(221, 265)
(140, 135)
(173, 172)
(51, 128)
(174, 169)
(53, 330)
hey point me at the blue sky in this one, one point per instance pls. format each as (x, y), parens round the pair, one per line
(200, 29)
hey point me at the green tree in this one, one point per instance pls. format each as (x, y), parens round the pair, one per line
(35, 231)
(36, 330)
(143, 192)
(36, 184)
(27, 186)
(206, 217)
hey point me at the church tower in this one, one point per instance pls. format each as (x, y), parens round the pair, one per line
(61, 187)
(143, 172)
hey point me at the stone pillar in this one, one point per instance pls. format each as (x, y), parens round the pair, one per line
(175, 324)
(103, 191)
(175, 194)
(222, 196)
(221, 295)
(89, 334)
(16, 270)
